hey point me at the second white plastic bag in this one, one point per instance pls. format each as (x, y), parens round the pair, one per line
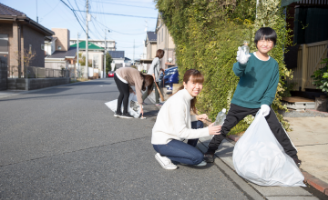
(259, 158)
(133, 106)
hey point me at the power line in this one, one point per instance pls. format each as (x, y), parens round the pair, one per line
(116, 14)
(79, 9)
(50, 10)
(153, 8)
(74, 15)
(118, 31)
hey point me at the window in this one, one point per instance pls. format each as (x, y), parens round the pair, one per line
(4, 44)
(42, 46)
(59, 47)
(30, 49)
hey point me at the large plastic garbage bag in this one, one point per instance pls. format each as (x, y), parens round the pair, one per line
(133, 106)
(259, 158)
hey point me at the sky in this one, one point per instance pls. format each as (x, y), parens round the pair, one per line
(127, 31)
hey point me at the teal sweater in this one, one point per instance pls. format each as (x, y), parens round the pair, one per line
(258, 82)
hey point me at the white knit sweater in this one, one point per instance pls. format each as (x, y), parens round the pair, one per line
(174, 120)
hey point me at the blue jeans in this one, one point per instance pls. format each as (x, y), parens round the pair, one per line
(181, 152)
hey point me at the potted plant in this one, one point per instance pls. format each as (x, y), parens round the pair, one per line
(320, 78)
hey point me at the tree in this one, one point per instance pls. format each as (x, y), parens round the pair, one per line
(26, 56)
(82, 60)
(108, 62)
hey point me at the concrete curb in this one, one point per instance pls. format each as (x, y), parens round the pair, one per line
(308, 178)
(5, 93)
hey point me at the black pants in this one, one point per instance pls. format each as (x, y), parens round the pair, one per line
(123, 88)
(237, 113)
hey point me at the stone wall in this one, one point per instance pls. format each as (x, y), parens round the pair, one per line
(35, 83)
(3, 77)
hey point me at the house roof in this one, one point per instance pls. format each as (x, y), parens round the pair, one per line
(91, 46)
(64, 54)
(116, 54)
(6, 10)
(8, 13)
(152, 37)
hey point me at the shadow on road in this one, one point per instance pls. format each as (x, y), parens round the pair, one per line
(54, 96)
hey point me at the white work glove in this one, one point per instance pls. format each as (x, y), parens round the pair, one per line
(242, 58)
(265, 110)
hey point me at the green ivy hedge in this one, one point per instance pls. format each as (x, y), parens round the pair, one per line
(207, 34)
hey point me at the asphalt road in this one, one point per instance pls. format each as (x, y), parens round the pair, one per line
(64, 143)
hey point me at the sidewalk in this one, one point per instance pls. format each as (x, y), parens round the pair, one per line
(8, 93)
(310, 138)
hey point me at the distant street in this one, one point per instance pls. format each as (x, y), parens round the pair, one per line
(64, 143)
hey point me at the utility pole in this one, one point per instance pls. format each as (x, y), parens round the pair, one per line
(105, 55)
(77, 52)
(133, 52)
(86, 41)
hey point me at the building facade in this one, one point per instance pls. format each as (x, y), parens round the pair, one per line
(21, 39)
(110, 44)
(165, 42)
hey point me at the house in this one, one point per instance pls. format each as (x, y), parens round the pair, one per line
(59, 54)
(95, 57)
(151, 44)
(118, 59)
(20, 37)
(308, 20)
(110, 44)
(165, 42)
(149, 52)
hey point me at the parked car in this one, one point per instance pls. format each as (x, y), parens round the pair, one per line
(171, 77)
(110, 74)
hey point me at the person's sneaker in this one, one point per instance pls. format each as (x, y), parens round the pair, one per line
(126, 116)
(165, 162)
(117, 114)
(202, 164)
(297, 161)
(209, 157)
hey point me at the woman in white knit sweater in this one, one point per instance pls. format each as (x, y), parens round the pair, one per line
(174, 124)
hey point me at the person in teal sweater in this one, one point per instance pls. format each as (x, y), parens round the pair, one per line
(256, 90)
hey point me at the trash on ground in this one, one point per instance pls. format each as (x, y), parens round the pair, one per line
(133, 106)
(259, 158)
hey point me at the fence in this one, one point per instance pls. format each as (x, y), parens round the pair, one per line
(40, 72)
(309, 59)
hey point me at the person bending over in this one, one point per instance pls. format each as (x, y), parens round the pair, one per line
(124, 77)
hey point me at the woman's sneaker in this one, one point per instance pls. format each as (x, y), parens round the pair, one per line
(117, 114)
(165, 162)
(126, 116)
(202, 164)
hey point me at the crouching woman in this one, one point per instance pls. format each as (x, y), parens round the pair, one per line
(174, 124)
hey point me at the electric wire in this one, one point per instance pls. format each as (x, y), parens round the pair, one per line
(105, 13)
(118, 31)
(125, 5)
(74, 15)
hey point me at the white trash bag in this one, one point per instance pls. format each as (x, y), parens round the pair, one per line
(133, 106)
(259, 158)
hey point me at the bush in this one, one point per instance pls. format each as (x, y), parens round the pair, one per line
(320, 77)
(207, 35)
